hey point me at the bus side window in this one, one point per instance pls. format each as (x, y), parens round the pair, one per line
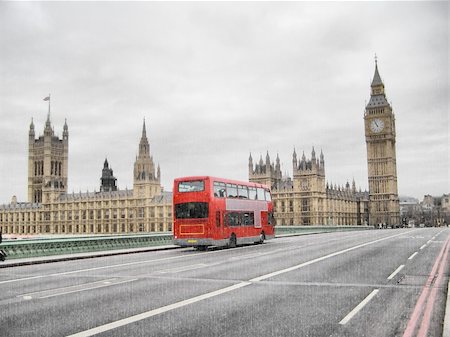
(243, 192)
(260, 193)
(219, 189)
(252, 193)
(232, 219)
(248, 219)
(232, 191)
(268, 196)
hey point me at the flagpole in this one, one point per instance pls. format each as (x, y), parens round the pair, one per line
(48, 106)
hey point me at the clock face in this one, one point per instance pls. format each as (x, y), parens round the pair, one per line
(377, 125)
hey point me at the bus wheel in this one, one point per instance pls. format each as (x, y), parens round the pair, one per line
(202, 248)
(262, 237)
(232, 243)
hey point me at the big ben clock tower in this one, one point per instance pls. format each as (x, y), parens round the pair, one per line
(379, 122)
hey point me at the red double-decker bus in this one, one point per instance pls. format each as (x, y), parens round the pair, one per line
(211, 211)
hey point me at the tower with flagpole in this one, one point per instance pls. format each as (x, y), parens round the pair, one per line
(47, 162)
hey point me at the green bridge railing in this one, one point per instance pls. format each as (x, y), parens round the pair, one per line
(299, 230)
(27, 248)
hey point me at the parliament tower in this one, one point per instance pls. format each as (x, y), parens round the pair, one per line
(47, 163)
(379, 121)
(146, 182)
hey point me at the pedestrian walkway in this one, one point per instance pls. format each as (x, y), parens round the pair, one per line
(79, 256)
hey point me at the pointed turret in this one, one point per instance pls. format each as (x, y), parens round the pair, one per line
(267, 159)
(376, 76)
(31, 132)
(313, 155)
(294, 160)
(378, 97)
(65, 130)
(48, 130)
(303, 161)
(144, 148)
(144, 131)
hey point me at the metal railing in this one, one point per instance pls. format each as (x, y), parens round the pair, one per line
(27, 248)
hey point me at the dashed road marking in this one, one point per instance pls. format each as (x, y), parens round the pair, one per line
(361, 305)
(390, 277)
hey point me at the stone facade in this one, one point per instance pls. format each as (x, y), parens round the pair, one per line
(50, 210)
(379, 121)
(306, 199)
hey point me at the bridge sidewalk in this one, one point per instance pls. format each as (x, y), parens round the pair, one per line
(79, 256)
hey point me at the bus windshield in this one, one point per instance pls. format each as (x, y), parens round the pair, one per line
(191, 210)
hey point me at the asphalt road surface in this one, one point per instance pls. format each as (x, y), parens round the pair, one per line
(367, 283)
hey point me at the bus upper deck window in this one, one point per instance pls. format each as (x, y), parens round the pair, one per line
(219, 189)
(232, 191)
(268, 196)
(243, 192)
(260, 192)
(252, 193)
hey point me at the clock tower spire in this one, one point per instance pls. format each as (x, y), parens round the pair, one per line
(379, 121)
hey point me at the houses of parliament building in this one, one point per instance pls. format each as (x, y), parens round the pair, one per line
(51, 210)
(305, 199)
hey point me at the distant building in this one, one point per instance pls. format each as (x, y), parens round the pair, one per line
(307, 199)
(51, 210)
(107, 181)
(409, 207)
(435, 210)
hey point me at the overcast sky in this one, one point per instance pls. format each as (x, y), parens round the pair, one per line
(216, 81)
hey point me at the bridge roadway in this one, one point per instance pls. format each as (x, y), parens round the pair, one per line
(368, 283)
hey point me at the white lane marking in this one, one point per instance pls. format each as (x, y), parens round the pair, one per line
(184, 268)
(24, 279)
(106, 284)
(307, 263)
(73, 289)
(423, 246)
(249, 256)
(428, 242)
(103, 267)
(412, 256)
(396, 271)
(361, 305)
(62, 288)
(154, 312)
